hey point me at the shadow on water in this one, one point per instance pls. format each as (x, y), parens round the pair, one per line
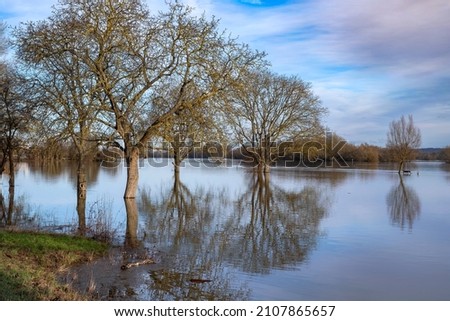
(403, 205)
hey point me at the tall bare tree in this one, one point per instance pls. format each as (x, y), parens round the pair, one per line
(129, 52)
(66, 91)
(268, 109)
(403, 139)
(15, 116)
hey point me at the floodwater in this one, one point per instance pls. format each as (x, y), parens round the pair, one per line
(224, 233)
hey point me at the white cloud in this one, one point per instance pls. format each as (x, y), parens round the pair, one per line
(396, 34)
(395, 46)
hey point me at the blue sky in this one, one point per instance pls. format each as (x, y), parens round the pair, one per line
(369, 61)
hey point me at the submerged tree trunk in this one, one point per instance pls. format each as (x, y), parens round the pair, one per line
(2, 209)
(131, 239)
(176, 182)
(176, 162)
(132, 159)
(263, 168)
(81, 195)
(11, 191)
(12, 176)
(401, 166)
(9, 217)
(180, 152)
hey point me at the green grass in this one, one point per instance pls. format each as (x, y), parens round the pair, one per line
(30, 263)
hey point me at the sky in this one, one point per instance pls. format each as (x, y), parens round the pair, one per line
(369, 61)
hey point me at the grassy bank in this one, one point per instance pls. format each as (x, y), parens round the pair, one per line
(30, 263)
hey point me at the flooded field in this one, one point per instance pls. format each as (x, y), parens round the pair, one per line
(224, 233)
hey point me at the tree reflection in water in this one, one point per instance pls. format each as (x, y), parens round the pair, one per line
(14, 211)
(82, 175)
(204, 233)
(131, 238)
(403, 205)
(274, 228)
(7, 208)
(3, 215)
(181, 222)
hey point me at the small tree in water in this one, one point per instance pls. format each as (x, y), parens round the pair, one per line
(266, 109)
(403, 139)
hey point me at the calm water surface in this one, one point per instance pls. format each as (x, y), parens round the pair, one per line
(302, 234)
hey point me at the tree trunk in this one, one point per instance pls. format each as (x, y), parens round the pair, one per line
(176, 178)
(12, 176)
(267, 193)
(263, 167)
(131, 239)
(9, 218)
(2, 209)
(81, 195)
(176, 162)
(401, 166)
(132, 159)
(12, 179)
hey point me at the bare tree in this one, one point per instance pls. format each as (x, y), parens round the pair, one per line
(66, 91)
(268, 109)
(403, 139)
(129, 52)
(15, 114)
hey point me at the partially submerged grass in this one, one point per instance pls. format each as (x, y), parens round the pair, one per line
(30, 263)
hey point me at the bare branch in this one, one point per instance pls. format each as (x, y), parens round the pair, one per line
(403, 139)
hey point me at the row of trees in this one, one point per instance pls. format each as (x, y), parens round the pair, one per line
(111, 71)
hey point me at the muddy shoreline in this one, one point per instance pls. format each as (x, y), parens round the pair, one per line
(105, 278)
